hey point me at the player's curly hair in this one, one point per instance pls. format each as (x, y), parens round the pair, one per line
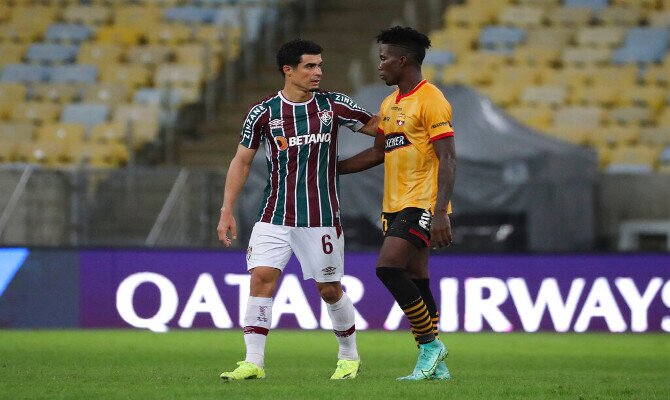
(291, 52)
(412, 41)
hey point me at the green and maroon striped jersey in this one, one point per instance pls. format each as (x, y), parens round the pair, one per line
(301, 153)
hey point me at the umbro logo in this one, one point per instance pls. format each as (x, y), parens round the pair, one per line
(329, 270)
(276, 124)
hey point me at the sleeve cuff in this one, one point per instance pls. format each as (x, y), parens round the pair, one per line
(441, 136)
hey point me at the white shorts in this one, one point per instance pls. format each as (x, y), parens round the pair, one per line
(320, 250)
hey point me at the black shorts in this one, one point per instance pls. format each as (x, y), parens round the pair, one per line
(411, 224)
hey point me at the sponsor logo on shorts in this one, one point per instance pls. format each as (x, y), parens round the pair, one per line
(249, 250)
(425, 220)
(329, 271)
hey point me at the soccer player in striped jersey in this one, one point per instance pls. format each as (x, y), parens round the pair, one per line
(300, 212)
(415, 142)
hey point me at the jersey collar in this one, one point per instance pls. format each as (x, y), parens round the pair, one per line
(281, 95)
(402, 96)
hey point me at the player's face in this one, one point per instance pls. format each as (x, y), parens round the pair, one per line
(306, 75)
(389, 64)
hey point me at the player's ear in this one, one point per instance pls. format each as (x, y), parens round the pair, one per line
(287, 69)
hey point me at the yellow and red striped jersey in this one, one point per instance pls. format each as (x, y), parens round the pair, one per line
(410, 123)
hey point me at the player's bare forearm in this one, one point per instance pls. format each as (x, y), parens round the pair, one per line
(366, 159)
(370, 128)
(445, 150)
(238, 171)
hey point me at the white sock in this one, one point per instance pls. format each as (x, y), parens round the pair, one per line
(257, 322)
(344, 325)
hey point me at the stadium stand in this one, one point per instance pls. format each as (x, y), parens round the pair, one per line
(591, 72)
(117, 68)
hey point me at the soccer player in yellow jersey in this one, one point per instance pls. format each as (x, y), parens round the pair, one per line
(415, 141)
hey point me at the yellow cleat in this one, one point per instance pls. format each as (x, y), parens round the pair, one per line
(244, 370)
(346, 369)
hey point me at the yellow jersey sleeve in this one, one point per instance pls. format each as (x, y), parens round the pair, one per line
(437, 116)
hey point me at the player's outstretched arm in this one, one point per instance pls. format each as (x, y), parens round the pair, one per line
(366, 159)
(237, 175)
(440, 229)
(370, 128)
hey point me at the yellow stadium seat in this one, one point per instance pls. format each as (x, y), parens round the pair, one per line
(539, 118)
(547, 94)
(579, 117)
(461, 73)
(468, 15)
(570, 16)
(137, 15)
(36, 112)
(11, 53)
(170, 34)
(5, 12)
(35, 15)
(664, 119)
(87, 15)
(600, 36)
(8, 149)
(48, 153)
(522, 16)
(657, 74)
(195, 55)
(637, 158)
(644, 4)
(459, 40)
(655, 136)
(574, 135)
(121, 35)
(646, 96)
(178, 75)
(55, 92)
(99, 53)
(568, 76)
(620, 75)
(614, 136)
(554, 37)
(502, 93)
(631, 115)
(621, 16)
(109, 155)
(108, 132)
(660, 18)
(149, 55)
(143, 122)
(597, 95)
(17, 131)
(10, 94)
(132, 75)
(66, 133)
(109, 93)
(22, 32)
(585, 57)
(535, 55)
(219, 39)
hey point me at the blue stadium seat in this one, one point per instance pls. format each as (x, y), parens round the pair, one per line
(25, 73)
(79, 73)
(439, 57)
(643, 45)
(51, 53)
(501, 37)
(592, 4)
(156, 96)
(190, 14)
(68, 33)
(88, 114)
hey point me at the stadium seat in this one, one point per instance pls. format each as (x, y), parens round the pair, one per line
(196, 54)
(643, 45)
(108, 132)
(99, 54)
(657, 74)
(48, 153)
(55, 92)
(107, 93)
(655, 136)
(522, 16)
(598, 95)
(554, 37)
(121, 35)
(178, 75)
(660, 18)
(592, 4)
(500, 38)
(150, 55)
(548, 95)
(456, 15)
(51, 53)
(458, 40)
(643, 4)
(10, 93)
(67, 133)
(11, 53)
(579, 117)
(169, 34)
(439, 58)
(621, 16)
(536, 56)
(575, 135)
(132, 75)
(142, 121)
(35, 14)
(35, 112)
(646, 96)
(631, 115)
(23, 33)
(87, 114)
(624, 76)
(614, 136)
(570, 16)
(537, 117)
(17, 131)
(157, 97)
(664, 118)
(584, 57)
(632, 159)
(137, 15)
(77, 73)
(190, 14)
(8, 150)
(87, 14)
(68, 33)
(601, 36)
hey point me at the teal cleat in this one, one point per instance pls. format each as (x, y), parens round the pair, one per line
(441, 372)
(430, 356)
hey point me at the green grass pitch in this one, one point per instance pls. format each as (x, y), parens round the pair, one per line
(186, 365)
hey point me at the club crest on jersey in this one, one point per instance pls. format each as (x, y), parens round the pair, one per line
(400, 119)
(276, 123)
(325, 116)
(395, 141)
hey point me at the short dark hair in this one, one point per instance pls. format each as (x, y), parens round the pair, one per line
(291, 52)
(412, 41)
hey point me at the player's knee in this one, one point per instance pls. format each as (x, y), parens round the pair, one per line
(262, 284)
(391, 277)
(329, 293)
